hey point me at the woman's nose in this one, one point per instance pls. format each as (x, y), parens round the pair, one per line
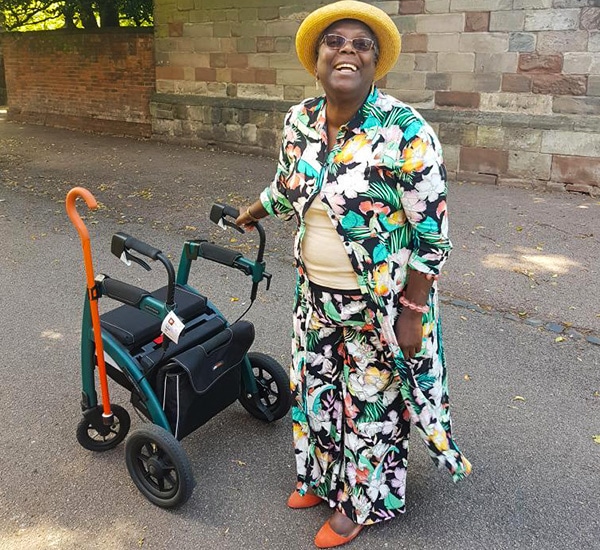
(347, 47)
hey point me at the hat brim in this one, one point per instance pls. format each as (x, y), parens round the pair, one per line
(384, 29)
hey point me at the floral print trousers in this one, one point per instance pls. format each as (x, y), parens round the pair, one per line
(353, 410)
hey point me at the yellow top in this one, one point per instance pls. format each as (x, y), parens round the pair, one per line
(326, 261)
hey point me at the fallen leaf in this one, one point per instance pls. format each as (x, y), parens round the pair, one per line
(234, 299)
(560, 339)
(467, 377)
(518, 398)
(597, 394)
(519, 228)
(596, 439)
(239, 462)
(463, 317)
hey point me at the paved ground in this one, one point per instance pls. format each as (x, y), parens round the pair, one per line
(521, 317)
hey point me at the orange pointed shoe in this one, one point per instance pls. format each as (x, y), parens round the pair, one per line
(308, 500)
(328, 538)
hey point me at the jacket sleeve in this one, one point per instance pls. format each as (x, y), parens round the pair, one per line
(274, 197)
(423, 191)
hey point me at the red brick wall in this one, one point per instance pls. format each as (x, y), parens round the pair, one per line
(91, 80)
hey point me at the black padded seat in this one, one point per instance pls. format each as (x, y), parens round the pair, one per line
(134, 328)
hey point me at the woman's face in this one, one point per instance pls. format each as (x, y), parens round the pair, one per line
(346, 73)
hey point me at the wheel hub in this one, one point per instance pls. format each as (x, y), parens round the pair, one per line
(156, 468)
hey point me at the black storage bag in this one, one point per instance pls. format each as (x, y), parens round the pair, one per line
(200, 382)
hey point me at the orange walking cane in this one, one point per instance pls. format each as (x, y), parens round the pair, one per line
(107, 416)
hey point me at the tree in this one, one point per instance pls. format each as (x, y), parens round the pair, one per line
(23, 15)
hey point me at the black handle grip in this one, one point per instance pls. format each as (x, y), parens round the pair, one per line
(142, 247)
(219, 254)
(123, 292)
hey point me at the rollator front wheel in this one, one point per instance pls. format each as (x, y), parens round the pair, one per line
(273, 388)
(94, 435)
(159, 466)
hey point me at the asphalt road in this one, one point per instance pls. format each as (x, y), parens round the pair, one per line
(526, 407)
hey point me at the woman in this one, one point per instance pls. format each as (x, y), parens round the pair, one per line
(363, 175)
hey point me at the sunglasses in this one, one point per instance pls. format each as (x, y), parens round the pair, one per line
(337, 42)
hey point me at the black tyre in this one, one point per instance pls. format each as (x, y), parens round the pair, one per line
(94, 435)
(159, 466)
(273, 388)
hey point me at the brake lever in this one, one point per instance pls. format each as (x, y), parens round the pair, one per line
(137, 260)
(232, 224)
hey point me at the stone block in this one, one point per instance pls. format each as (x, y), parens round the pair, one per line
(516, 83)
(496, 62)
(294, 93)
(268, 14)
(426, 62)
(443, 42)
(581, 63)
(437, 6)
(536, 63)
(576, 105)
(450, 154)
(550, 42)
(405, 23)
(571, 143)
(518, 182)
(522, 139)
(532, 4)
(176, 28)
(265, 44)
(594, 42)
(281, 28)
(295, 77)
(249, 133)
(507, 21)
(416, 98)
(528, 165)
(406, 81)
(437, 81)
(259, 91)
(569, 3)
(430, 23)
(483, 42)
(480, 82)
(408, 7)
(483, 161)
(556, 84)
(593, 88)
(521, 42)
(590, 19)
(490, 137)
(284, 44)
(527, 104)
(480, 5)
(456, 62)
(414, 42)
(451, 133)
(576, 170)
(465, 100)
(405, 63)
(477, 21)
(552, 20)
(284, 61)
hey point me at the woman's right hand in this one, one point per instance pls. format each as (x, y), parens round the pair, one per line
(250, 216)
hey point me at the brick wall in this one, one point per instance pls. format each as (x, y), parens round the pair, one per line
(512, 86)
(99, 81)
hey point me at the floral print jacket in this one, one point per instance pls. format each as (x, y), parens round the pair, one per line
(383, 184)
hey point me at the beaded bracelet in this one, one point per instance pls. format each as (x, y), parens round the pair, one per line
(249, 214)
(412, 305)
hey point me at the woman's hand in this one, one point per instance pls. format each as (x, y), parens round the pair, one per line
(409, 332)
(249, 216)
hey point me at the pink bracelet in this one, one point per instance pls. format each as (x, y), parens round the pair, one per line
(412, 305)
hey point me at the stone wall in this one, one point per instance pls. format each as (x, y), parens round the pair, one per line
(512, 86)
(99, 81)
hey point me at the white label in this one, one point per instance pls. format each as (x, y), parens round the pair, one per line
(172, 326)
(124, 259)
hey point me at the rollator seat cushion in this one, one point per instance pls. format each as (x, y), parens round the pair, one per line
(134, 328)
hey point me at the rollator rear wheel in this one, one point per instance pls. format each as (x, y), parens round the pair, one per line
(94, 435)
(273, 387)
(159, 466)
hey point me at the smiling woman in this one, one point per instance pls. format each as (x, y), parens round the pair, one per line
(363, 176)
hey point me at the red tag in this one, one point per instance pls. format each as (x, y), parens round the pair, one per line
(158, 339)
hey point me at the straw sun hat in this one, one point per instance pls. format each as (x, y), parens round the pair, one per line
(386, 32)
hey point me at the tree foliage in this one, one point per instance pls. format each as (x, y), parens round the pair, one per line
(24, 15)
